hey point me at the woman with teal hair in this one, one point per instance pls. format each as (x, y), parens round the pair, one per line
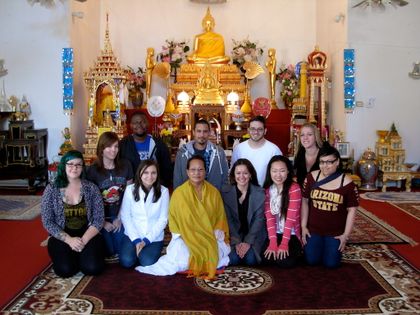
(72, 212)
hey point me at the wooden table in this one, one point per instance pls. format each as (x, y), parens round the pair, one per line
(397, 176)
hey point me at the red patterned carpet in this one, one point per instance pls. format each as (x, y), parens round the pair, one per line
(369, 229)
(372, 280)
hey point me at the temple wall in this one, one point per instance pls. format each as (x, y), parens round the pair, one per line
(386, 44)
(31, 40)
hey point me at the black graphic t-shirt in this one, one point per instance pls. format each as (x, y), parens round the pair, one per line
(75, 218)
(112, 184)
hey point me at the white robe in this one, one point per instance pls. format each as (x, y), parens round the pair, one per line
(177, 256)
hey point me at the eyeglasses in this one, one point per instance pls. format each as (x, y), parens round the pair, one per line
(327, 162)
(256, 129)
(71, 165)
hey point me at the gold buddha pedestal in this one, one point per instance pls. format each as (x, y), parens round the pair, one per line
(208, 88)
(209, 47)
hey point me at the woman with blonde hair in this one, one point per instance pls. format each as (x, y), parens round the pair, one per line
(307, 155)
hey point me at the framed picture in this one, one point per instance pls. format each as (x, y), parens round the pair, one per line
(344, 149)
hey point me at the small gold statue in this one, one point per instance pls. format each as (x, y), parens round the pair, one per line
(208, 46)
(271, 67)
(107, 121)
(66, 146)
(208, 88)
(150, 64)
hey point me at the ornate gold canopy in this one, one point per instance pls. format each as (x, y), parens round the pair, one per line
(103, 78)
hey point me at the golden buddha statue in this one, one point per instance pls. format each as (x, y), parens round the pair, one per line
(208, 88)
(105, 101)
(209, 47)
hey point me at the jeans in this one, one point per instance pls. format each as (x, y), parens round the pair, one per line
(148, 255)
(248, 260)
(112, 239)
(322, 249)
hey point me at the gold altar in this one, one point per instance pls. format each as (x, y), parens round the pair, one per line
(201, 87)
(103, 82)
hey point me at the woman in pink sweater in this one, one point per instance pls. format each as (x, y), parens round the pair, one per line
(282, 210)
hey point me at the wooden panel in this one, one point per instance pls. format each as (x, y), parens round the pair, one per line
(278, 128)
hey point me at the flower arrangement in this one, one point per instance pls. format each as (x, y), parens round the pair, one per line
(136, 79)
(289, 82)
(245, 50)
(174, 52)
(166, 133)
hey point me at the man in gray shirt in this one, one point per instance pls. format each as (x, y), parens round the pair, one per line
(214, 156)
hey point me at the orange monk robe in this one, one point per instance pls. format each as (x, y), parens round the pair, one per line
(196, 220)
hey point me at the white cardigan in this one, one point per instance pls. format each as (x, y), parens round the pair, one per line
(144, 219)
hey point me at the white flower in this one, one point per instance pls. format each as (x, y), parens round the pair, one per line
(248, 58)
(176, 56)
(178, 50)
(240, 51)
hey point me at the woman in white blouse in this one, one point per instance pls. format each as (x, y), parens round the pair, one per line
(144, 214)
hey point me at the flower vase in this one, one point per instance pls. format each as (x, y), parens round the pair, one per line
(288, 104)
(136, 97)
(368, 170)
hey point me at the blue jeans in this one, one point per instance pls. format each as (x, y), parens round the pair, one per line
(248, 260)
(148, 255)
(322, 249)
(112, 239)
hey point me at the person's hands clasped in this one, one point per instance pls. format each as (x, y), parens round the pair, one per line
(75, 243)
(242, 249)
(117, 225)
(108, 226)
(139, 247)
(343, 241)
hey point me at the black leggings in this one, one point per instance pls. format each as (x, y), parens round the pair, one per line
(67, 262)
(295, 253)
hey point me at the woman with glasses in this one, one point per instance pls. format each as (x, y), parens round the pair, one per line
(282, 210)
(307, 155)
(111, 174)
(144, 214)
(244, 206)
(73, 214)
(199, 228)
(329, 204)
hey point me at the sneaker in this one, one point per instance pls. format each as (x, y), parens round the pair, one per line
(112, 259)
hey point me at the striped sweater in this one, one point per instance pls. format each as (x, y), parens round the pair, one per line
(292, 219)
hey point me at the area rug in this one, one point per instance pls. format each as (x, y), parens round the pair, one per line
(373, 279)
(19, 207)
(368, 228)
(411, 208)
(392, 196)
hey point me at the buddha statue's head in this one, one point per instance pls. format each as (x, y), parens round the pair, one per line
(208, 46)
(208, 22)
